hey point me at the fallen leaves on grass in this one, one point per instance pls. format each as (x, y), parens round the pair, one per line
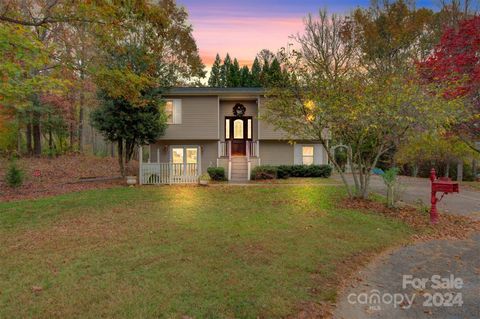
(64, 174)
(37, 289)
(310, 310)
(449, 226)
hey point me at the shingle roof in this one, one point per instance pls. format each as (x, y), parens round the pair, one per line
(214, 91)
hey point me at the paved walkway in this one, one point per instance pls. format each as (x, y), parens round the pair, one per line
(444, 258)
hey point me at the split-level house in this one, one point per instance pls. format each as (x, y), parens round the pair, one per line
(219, 127)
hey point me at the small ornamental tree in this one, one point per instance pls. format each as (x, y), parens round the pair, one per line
(14, 175)
(128, 125)
(328, 92)
(454, 65)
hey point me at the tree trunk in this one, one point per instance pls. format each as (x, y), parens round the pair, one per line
(37, 135)
(50, 141)
(447, 170)
(390, 196)
(415, 170)
(120, 157)
(28, 134)
(331, 158)
(71, 136)
(80, 124)
(474, 169)
(460, 171)
(81, 113)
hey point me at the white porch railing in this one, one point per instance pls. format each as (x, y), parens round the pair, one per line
(252, 148)
(168, 173)
(223, 148)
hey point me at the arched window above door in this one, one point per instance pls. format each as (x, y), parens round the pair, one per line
(238, 129)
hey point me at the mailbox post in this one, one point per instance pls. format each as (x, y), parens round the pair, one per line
(442, 185)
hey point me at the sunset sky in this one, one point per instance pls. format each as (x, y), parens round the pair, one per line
(244, 27)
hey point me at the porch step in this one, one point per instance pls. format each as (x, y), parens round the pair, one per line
(239, 169)
(239, 159)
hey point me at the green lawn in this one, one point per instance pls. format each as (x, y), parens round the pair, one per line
(471, 185)
(204, 252)
(300, 181)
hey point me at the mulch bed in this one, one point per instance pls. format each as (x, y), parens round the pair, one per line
(63, 174)
(449, 226)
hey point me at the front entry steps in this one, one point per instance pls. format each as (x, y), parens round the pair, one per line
(239, 169)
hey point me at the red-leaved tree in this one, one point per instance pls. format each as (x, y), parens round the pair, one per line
(455, 65)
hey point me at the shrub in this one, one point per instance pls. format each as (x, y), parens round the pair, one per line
(264, 172)
(14, 176)
(306, 171)
(217, 173)
(318, 171)
(298, 170)
(284, 171)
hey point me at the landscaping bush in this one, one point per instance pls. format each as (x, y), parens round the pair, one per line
(14, 176)
(264, 172)
(284, 171)
(318, 171)
(298, 170)
(217, 173)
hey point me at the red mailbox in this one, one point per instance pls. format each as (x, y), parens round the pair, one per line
(441, 185)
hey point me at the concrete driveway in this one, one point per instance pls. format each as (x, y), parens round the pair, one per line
(389, 276)
(417, 190)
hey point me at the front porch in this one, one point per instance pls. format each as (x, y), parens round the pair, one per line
(175, 163)
(238, 166)
(183, 165)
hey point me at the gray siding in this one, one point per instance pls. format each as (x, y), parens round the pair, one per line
(319, 155)
(199, 119)
(276, 153)
(209, 151)
(267, 131)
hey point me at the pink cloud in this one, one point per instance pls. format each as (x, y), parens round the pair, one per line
(243, 38)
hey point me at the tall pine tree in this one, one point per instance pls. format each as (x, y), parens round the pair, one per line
(255, 74)
(225, 71)
(245, 78)
(215, 79)
(234, 78)
(275, 74)
(265, 74)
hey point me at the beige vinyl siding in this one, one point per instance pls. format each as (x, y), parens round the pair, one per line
(276, 153)
(226, 109)
(208, 150)
(199, 119)
(267, 131)
(319, 155)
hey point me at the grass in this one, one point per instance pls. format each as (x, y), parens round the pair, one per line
(300, 181)
(472, 185)
(203, 252)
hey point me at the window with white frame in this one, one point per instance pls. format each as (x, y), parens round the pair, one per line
(307, 155)
(185, 159)
(173, 110)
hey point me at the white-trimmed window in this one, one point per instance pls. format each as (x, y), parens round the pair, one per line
(183, 157)
(227, 129)
(307, 154)
(173, 109)
(238, 129)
